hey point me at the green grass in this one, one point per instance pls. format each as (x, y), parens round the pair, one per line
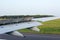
(49, 27)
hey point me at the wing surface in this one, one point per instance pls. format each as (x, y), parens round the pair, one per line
(13, 27)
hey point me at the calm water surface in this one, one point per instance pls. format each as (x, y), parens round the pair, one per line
(47, 19)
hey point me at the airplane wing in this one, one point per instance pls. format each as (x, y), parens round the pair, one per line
(13, 23)
(17, 26)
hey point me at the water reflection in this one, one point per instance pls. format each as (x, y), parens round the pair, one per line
(47, 19)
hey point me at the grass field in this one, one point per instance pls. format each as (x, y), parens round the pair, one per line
(49, 27)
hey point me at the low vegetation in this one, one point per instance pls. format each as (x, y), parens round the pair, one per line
(49, 27)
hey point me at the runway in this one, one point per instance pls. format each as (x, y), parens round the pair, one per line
(31, 37)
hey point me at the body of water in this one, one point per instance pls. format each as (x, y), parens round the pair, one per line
(46, 19)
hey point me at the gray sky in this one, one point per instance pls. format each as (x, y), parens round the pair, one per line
(28, 7)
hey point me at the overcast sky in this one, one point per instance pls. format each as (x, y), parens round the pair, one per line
(28, 7)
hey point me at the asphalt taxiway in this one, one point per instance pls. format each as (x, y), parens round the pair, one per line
(31, 37)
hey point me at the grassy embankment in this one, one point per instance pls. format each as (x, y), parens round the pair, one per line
(49, 27)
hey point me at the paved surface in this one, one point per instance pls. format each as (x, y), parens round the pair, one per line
(31, 37)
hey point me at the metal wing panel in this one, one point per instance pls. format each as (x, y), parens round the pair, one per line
(13, 27)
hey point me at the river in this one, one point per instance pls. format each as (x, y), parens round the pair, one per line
(46, 19)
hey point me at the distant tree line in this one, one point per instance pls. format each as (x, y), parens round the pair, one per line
(41, 16)
(19, 16)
